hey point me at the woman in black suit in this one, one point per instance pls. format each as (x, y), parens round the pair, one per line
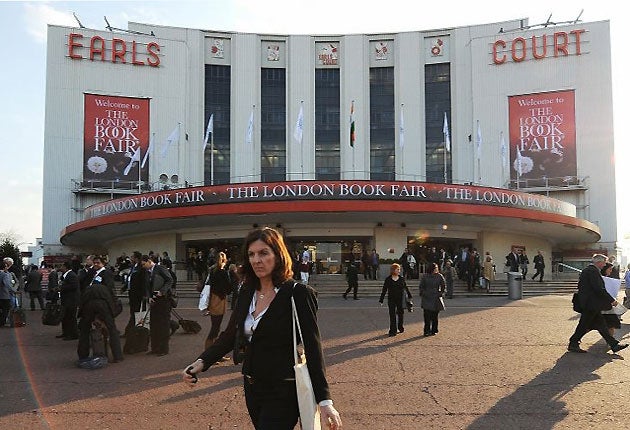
(260, 334)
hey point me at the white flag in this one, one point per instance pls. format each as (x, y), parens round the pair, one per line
(173, 137)
(519, 161)
(299, 125)
(401, 131)
(149, 150)
(134, 158)
(249, 137)
(503, 150)
(478, 141)
(447, 135)
(209, 129)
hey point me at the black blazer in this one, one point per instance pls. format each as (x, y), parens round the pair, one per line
(69, 289)
(592, 292)
(161, 280)
(269, 356)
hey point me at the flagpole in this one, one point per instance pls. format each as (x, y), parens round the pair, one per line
(301, 142)
(212, 157)
(402, 144)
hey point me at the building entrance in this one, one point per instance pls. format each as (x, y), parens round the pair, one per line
(329, 256)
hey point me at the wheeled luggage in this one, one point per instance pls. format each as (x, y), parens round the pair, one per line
(189, 326)
(137, 339)
(52, 313)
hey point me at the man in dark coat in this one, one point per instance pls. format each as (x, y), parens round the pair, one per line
(34, 287)
(98, 301)
(593, 299)
(69, 291)
(138, 284)
(160, 284)
(512, 260)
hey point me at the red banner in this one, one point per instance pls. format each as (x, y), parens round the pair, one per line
(115, 139)
(542, 139)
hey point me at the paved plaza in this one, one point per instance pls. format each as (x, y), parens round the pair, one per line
(495, 364)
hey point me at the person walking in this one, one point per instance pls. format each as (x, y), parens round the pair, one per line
(539, 265)
(593, 298)
(432, 286)
(220, 288)
(352, 275)
(138, 288)
(488, 271)
(395, 287)
(160, 283)
(69, 294)
(34, 287)
(449, 274)
(97, 301)
(260, 333)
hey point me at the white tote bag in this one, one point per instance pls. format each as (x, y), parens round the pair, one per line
(309, 410)
(204, 298)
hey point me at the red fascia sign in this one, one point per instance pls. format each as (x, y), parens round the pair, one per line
(115, 50)
(561, 43)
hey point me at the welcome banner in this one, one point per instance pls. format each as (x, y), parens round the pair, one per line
(542, 139)
(115, 140)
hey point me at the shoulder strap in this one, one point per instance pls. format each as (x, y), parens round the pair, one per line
(296, 321)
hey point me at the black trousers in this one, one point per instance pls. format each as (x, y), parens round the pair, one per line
(592, 320)
(540, 272)
(5, 307)
(85, 325)
(352, 286)
(160, 329)
(216, 321)
(396, 316)
(36, 295)
(430, 321)
(69, 326)
(272, 405)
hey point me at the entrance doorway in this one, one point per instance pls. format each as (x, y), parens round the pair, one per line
(329, 256)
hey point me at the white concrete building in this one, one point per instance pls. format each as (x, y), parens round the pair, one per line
(529, 145)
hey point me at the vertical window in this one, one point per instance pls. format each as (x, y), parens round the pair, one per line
(382, 124)
(273, 128)
(327, 102)
(437, 93)
(217, 103)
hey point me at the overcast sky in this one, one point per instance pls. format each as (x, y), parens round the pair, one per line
(23, 54)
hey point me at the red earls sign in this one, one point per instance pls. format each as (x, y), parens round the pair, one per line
(542, 138)
(559, 44)
(115, 50)
(116, 138)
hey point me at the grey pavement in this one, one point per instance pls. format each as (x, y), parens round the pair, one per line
(495, 364)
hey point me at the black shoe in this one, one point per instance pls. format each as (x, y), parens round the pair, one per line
(574, 347)
(619, 347)
(390, 334)
(434, 332)
(71, 338)
(356, 298)
(59, 336)
(345, 296)
(401, 330)
(427, 333)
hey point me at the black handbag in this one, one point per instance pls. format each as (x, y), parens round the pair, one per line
(137, 339)
(52, 314)
(577, 306)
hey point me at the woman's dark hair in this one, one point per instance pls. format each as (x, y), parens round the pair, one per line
(432, 267)
(605, 267)
(283, 270)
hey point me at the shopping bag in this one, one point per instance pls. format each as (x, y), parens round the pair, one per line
(204, 298)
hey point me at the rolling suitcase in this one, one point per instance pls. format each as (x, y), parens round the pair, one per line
(137, 339)
(189, 326)
(52, 313)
